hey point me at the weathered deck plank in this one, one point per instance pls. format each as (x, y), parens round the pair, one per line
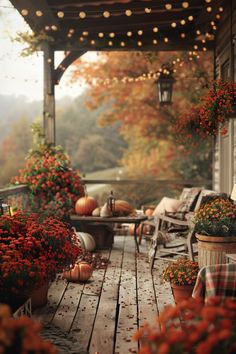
(102, 315)
(147, 305)
(127, 319)
(55, 294)
(66, 311)
(105, 323)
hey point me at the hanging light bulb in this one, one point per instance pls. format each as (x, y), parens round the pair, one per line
(128, 12)
(106, 14)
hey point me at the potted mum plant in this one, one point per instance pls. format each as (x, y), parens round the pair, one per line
(215, 227)
(182, 274)
(207, 329)
(22, 335)
(54, 186)
(32, 251)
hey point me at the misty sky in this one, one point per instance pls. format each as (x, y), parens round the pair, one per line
(23, 75)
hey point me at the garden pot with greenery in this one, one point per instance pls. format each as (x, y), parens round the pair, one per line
(182, 275)
(215, 226)
(32, 251)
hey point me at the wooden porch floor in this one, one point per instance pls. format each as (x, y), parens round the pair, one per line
(101, 316)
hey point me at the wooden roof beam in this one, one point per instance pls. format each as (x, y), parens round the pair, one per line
(37, 23)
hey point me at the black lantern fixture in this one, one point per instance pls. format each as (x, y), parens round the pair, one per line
(4, 208)
(165, 86)
(111, 203)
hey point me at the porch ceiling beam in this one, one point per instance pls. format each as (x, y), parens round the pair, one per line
(175, 46)
(65, 63)
(205, 17)
(36, 23)
(113, 5)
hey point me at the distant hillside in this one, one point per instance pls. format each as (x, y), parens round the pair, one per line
(90, 147)
(13, 108)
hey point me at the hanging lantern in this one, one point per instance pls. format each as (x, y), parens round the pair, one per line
(4, 208)
(111, 203)
(165, 86)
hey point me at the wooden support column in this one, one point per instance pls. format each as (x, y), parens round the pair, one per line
(49, 121)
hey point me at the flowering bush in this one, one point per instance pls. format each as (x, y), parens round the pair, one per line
(209, 329)
(181, 272)
(209, 117)
(216, 218)
(217, 105)
(22, 335)
(54, 186)
(32, 251)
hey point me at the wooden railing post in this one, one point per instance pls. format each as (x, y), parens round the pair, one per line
(49, 122)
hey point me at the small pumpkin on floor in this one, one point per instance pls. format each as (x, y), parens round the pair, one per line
(81, 272)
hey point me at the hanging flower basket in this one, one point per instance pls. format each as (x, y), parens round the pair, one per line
(208, 117)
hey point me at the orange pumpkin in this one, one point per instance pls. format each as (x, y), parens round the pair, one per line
(149, 212)
(82, 271)
(85, 205)
(123, 208)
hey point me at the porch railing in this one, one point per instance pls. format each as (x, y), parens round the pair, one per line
(138, 192)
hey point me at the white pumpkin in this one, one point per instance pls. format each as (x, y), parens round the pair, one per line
(87, 241)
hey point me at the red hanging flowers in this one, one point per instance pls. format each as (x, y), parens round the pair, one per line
(209, 117)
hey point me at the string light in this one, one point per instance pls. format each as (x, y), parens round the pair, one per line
(209, 9)
(185, 4)
(190, 18)
(60, 14)
(106, 14)
(112, 35)
(39, 13)
(100, 35)
(147, 10)
(122, 44)
(129, 34)
(110, 43)
(173, 24)
(166, 40)
(24, 12)
(139, 43)
(54, 27)
(128, 13)
(154, 41)
(155, 29)
(85, 33)
(168, 6)
(82, 14)
(221, 9)
(182, 22)
(140, 32)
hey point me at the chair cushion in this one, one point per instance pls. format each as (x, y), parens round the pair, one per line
(190, 200)
(167, 205)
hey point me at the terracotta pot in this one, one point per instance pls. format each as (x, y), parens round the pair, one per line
(181, 292)
(39, 297)
(213, 249)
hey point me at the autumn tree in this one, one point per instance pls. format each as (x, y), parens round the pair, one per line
(124, 81)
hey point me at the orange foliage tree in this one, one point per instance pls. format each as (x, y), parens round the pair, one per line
(147, 127)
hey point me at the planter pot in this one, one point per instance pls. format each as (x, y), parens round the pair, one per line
(213, 249)
(39, 297)
(181, 292)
